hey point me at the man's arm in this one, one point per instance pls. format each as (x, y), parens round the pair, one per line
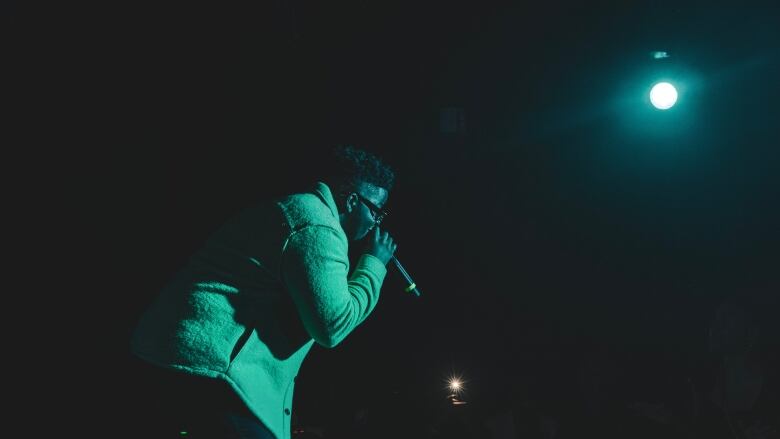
(315, 267)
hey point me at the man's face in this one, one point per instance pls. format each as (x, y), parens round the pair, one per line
(362, 213)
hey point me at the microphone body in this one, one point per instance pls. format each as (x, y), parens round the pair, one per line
(412, 287)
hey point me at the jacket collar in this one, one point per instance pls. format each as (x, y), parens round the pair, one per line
(323, 191)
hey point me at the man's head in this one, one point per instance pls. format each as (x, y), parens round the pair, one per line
(361, 184)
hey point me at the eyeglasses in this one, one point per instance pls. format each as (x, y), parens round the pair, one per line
(378, 213)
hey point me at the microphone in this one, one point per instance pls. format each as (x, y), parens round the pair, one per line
(412, 288)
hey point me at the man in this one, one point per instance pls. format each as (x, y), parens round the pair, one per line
(230, 331)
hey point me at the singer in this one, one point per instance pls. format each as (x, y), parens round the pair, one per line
(224, 340)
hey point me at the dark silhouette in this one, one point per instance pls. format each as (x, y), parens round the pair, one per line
(737, 387)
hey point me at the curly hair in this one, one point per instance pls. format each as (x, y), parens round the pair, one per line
(352, 166)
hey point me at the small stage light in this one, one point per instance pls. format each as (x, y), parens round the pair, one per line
(663, 96)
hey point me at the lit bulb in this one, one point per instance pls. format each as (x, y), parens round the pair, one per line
(663, 96)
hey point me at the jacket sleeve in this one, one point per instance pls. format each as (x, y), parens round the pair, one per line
(315, 269)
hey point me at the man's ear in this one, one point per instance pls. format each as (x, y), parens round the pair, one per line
(352, 201)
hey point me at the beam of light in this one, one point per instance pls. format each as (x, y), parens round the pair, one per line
(663, 95)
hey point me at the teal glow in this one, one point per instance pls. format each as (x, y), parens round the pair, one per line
(663, 95)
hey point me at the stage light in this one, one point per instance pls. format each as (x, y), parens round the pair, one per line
(663, 95)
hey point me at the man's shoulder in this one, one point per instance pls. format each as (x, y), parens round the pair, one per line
(306, 209)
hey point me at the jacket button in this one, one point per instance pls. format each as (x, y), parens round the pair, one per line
(286, 411)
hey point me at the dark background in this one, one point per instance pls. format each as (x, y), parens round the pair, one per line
(559, 213)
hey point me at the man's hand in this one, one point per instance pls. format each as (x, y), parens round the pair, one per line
(381, 245)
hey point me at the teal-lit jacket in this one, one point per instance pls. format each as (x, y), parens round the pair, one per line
(250, 304)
